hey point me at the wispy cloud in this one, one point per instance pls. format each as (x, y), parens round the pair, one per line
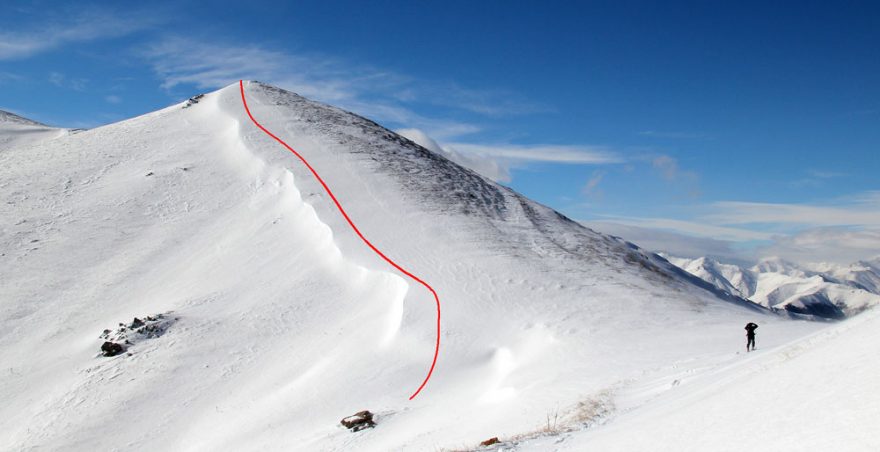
(821, 174)
(543, 153)
(674, 135)
(676, 244)
(670, 170)
(60, 80)
(85, 25)
(828, 244)
(590, 189)
(842, 231)
(694, 228)
(376, 93)
(9, 77)
(487, 166)
(488, 102)
(382, 95)
(816, 178)
(495, 161)
(862, 210)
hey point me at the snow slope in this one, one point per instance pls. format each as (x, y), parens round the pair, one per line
(284, 322)
(822, 290)
(16, 131)
(815, 393)
(729, 278)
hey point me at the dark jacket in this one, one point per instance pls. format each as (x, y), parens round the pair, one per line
(750, 329)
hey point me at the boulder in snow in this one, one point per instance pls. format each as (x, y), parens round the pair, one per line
(112, 349)
(359, 421)
(490, 441)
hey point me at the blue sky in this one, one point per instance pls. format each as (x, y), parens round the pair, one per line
(740, 130)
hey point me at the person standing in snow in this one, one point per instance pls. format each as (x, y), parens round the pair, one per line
(750, 335)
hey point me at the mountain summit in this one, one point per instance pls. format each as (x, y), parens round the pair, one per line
(247, 307)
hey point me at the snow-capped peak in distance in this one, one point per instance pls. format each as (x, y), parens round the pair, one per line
(281, 321)
(825, 290)
(779, 265)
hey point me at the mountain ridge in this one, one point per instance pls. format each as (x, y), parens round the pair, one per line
(824, 290)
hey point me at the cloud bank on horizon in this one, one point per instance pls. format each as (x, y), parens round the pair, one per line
(732, 162)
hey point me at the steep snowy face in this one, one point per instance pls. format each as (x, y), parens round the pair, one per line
(278, 321)
(440, 187)
(729, 278)
(781, 266)
(16, 131)
(863, 274)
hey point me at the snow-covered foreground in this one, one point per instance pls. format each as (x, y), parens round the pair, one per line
(284, 322)
(815, 393)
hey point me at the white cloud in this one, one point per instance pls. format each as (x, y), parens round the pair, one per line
(380, 95)
(862, 210)
(841, 233)
(676, 244)
(365, 90)
(488, 167)
(495, 161)
(542, 153)
(112, 99)
(83, 26)
(436, 127)
(837, 245)
(694, 228)
(834, 245)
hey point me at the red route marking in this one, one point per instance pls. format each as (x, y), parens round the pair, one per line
(358, 232)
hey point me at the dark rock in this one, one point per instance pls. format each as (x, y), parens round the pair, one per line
(111, 349)
(490, 441)
(193, 100)
(136, 323)
(149, 174)
(359, 421)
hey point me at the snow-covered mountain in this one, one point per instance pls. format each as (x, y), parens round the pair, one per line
(824, 290)
(262, 319)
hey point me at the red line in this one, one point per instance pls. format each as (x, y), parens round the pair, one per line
(358, 232)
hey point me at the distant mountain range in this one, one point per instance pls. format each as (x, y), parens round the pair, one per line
(824, 290)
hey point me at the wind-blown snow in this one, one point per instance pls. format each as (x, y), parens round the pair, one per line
(286, 323)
